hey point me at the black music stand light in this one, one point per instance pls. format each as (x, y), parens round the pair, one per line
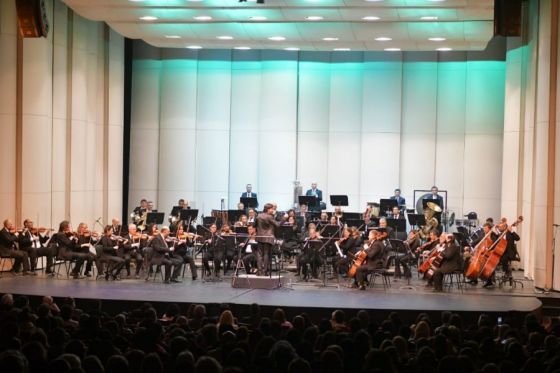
(249, 202)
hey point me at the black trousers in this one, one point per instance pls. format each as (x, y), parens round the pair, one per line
(128, 258)
(35, 253)
(188, 259)
(214, 255)
(80, 258)
(114, 264)
(403, 260)
(20, 258)
(172, 266)
(263, 253)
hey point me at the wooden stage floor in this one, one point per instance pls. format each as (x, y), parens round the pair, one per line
(296, 293)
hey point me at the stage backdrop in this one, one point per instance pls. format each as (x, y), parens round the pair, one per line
(207, 122)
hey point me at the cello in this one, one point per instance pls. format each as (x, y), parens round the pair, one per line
(361, 256)
(496, 251)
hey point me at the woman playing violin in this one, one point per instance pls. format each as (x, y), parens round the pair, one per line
(182, 243)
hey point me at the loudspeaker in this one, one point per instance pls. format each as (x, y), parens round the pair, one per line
(32, 18)
(507, 17)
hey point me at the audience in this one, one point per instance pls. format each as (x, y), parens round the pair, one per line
(62, 338)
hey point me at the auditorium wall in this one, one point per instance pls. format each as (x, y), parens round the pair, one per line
(207, 122)
(531, 176)
(69, 162)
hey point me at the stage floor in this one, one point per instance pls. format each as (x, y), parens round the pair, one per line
(296, 293)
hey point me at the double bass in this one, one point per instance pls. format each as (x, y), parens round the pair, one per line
(480, 257)
(431, 263)
(496, 252)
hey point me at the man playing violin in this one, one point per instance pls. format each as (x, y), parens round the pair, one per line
(34, 244)
(8, 249)
(67, 244)
(131, 249)
(215, 250)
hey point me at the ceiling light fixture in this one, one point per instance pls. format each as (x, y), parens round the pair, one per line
(437, 39)
(172, 37)
(148, 18)
(330, 39)
(203, 18)
(392, 49)
(314, 18)
(194, 47)
(444, 49)
(258, 18)
(374, 1)
(276, 38)
(242, 48)
(429, 18)
(370, 18)
(224, 37)
(291, 49)
(341, 49)
(383, 38)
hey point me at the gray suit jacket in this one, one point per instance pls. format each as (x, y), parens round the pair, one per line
(266, 227)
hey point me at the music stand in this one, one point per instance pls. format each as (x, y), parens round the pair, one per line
(155, 218)
(175, 211)
(234, 215)
(351, 216)
(189, 215)
(416, 219)
(330, 230)
(355, 223)
(386, 204)
(249, 202)
(310, 201)
(339, 200)
(242, 231)
(398, 225)
(285, 232)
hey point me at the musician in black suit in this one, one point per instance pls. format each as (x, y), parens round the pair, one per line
(117, 227)
(161, 256)
(8, 249)
(35, 246)
(109, 248)
(215, 251)
(401, 201)
(396, 213)
(375, 250)
(139, 210)
(250, 194)
(266, 229)
(451, 261)
(315, 193)
(435, 197)
(131, 249)
(67, 248)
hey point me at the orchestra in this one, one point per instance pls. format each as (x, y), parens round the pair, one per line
(336, 242)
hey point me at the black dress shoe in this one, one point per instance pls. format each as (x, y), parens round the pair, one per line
(194, 278)
(176, 281)
(167, 281)
(488, 284)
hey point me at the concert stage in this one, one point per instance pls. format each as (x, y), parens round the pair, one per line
(312, 296)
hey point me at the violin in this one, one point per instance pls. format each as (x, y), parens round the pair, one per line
(88, 233)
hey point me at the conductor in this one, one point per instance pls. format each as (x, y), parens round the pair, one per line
(266, 227)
